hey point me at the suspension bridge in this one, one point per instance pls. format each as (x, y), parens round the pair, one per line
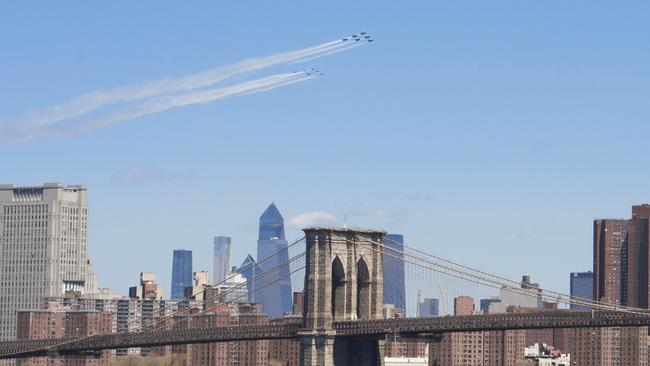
(343, 322)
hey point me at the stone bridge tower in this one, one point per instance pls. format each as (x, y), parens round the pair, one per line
(343, 281)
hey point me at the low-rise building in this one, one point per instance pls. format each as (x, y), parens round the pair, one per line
(541, 354)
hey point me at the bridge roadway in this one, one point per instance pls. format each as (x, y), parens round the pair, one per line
(287, 329)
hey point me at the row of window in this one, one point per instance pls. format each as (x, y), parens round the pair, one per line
(25, 209)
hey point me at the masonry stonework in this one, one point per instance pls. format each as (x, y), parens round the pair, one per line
(344, 282)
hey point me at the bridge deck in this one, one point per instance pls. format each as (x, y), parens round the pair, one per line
(357, 328)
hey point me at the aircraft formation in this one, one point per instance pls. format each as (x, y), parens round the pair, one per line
(357, 37)
(363, 36)
(311, 71)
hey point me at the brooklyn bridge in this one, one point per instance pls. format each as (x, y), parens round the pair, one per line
(342, 322)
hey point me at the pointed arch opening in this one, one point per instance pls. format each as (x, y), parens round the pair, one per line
(338, 289)
(363, 290)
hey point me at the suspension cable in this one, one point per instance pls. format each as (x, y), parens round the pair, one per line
(583, 301)
(492, 283)
(178, 312)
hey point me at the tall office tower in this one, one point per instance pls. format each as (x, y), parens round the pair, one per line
(394, 284)
(610, 261)
(274, 289)
(221, 260)
(181, 272)
(43, 247)
(582, 286)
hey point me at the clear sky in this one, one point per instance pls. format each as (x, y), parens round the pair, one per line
(488, 132)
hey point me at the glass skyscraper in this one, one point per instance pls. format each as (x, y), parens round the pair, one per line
(249, 269)
(394, 282)
(221, 259)
(181, 273)
(273, 291)
(582, 286)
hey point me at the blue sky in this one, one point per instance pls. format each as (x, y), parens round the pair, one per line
(491, 133)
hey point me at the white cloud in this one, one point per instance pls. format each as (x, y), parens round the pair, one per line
(315, 218)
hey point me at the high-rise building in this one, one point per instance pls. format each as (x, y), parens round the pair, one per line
(610, 261)
(638, 253)
(181, 272)
(250, 270)
(221, 260)
(274, 289)
(621, 252)
(43, 247)
(582, 286)
(429, 307)
(394, 283)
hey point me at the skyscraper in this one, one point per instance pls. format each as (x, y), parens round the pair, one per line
(43, 247)
(181, 272)
(582, 286)
(621, 252)
(221, 260)
(394, 283)
(249, 269)
(610, 261)
(638, 253)
(273, 291)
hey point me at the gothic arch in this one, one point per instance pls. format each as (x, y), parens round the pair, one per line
(338, 289)
(363, 290)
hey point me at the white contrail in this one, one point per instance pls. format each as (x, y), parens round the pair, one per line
(89, 102)
(160, 104)
(331, 52)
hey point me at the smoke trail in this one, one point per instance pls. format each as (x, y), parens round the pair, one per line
(345, 47)
(89, 102)
(158, 105)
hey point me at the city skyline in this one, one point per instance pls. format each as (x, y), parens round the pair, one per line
(481, 112)
(271, 226)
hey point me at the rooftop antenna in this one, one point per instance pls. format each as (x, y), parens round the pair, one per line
(345, 218)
